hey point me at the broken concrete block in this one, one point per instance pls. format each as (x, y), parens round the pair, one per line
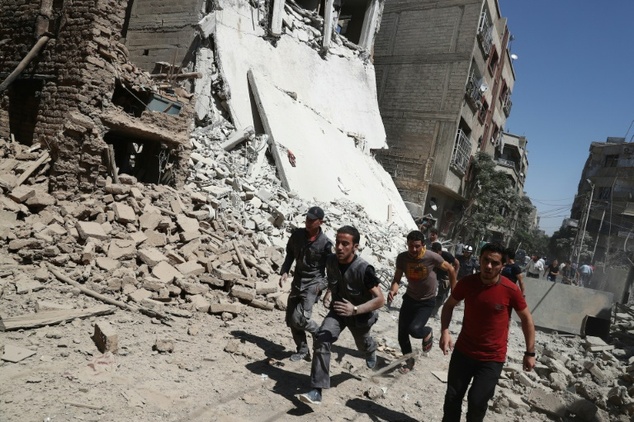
(137, 237)
(107, 264)
(262, 304)
(265, 288)
(22, 193)
(547, 402)
(224, 274)
(187, 224)
(124, 213)
(88, 229)
(243, 293)
(598, 375)
(117, 189)
(188, 236)
(596, 344)
(150, 220)
(127, 179)
(165, 272)
(32, 243)
(192, 288)
(122, 249)
(212, 281)
(15, 354)
(155, 238)
(105, 337)
(164, 345)
(199, 302)
(26, 285)
(45, 305)
(151, 256)
(219, 308)
(40, 200)
(139, 294)
(190, 268)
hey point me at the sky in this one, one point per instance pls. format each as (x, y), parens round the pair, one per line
(574, 85)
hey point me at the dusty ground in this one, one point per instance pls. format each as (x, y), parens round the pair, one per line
(68, 379)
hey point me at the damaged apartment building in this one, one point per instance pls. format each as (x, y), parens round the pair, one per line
(114, 86)
(445, 78)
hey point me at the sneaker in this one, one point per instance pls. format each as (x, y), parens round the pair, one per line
(370, 361)
(296, 357)
(312, 397)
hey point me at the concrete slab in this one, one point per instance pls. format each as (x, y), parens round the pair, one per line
(342, 90)
(328, 165)
(563, 307)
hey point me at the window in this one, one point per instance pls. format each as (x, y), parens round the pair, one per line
(482, 114)
(475, 86)
(604, 192)
(485, 32)
(493, 61)
(611, 160)
(461, 152)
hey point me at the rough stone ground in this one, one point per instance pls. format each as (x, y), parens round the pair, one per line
(235, 370)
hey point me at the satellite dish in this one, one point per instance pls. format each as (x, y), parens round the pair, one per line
(514, 57)
(484, 87)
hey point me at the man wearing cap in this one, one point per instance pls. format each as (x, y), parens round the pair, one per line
(308, 247)
(468, 264)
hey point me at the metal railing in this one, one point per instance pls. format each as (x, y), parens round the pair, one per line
(461, 152)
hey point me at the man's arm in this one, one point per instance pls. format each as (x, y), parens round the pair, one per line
(288, 261)
(446, 343)
(346, 308)
(445, 266)
(456, 265)
(520, 279)
(396, 282)
(528, 328)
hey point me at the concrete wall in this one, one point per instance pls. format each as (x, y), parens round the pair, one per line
(162, 31)
(564, 308)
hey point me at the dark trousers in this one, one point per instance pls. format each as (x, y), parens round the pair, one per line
(443, 292)
(412, 321)
(299, 310)
(462, 369)
(328, 333)
(532, 275)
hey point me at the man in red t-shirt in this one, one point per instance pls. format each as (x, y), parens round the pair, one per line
(480, 351)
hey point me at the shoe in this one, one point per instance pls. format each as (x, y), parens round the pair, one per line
(312, 397)
(296, 357)
(370, 361)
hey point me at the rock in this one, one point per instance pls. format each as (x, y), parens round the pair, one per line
(164, 345)
(105, 337)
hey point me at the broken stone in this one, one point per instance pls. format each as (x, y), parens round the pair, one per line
(547, 402)
(165, 272)
(124, 213)
(190, 268)
(219, 308)
(88, 229)
(199, 303)
(151, 256)
(164, 345)
(105, 337)
(122, 249)
(107, 264)
(139, 294)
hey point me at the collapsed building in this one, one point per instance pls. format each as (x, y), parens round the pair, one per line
(71, 84)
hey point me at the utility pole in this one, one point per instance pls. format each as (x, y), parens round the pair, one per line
(585, 222)
(596, 241)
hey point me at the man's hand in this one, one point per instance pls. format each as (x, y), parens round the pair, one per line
(344, 308)
(283, 278)
(528, 363)
(445, 343)
(391, 295)
(326, 300)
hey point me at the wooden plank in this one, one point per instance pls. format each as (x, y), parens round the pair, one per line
(392, 365)
(41, 319)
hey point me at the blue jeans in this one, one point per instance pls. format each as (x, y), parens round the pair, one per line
(412, 320)
(462, 369)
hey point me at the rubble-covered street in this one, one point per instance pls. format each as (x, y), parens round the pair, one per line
(144, 218)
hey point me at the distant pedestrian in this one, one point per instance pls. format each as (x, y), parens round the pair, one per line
(512, 271)
(585, 275)
(356, 296)
(534, 267)
(569, 274)
(468, 264)
(552, 271)
(480, 351)
(431, 238)
(308, 247)
(459, 247)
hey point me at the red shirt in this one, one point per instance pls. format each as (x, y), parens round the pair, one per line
(487, 309)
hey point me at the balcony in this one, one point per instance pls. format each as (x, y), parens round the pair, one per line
(473, 91)
(461, 152)
(507, 104)
(506, 163)
(485, 33)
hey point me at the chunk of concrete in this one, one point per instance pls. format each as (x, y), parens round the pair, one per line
(88, 229)
(165, 272)
(124, 213)
(151, 256)
(105, 337)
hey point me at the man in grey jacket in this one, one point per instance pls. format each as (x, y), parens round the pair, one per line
(308, 247)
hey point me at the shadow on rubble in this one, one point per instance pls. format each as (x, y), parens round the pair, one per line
(288, 382)
(377, 412)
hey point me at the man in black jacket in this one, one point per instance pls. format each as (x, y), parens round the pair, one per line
(308, 247)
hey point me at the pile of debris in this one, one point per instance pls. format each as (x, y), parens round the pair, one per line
(210, 247)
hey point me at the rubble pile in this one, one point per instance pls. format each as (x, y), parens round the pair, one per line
(210, 247)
